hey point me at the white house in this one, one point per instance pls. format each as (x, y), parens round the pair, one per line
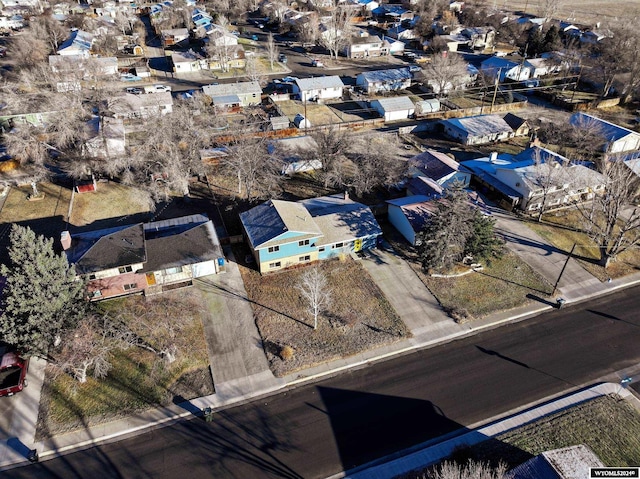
(318, 88)
(384, 80)
(394, 108)
(188, 61)
(174, 36)
(503, 68)
(249, 93)
(409, 215)
(616, 139)
(365, 47)
(78, 43)
(141, 106)
(477, 130)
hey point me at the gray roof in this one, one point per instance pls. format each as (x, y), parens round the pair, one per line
(266, 223)
(129, 102)
(179, 242)
(480, 125)
(239, 88)
(107, 248)
(225, 100)
(341, 219)
(609, 131)
(318, 83)
(434, 164)
(395, 103)
(393, 74)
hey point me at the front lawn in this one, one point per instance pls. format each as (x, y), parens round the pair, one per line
(359, 316)
(139, 379)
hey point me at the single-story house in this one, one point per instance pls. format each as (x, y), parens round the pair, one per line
(318, 88)
(140, 106)
(409, 215)
(392, 46)
(84, 67)
(365, 47)
(174, 36)
(394, 108)
(504, 68)
(146, 258)
(480, 37)
(543, 67)
(188, 61)
(533, 177)
(477, 130)
(453, 41)
(615, 138)
(78, 43)
(233, 57)
(384, 80)
(439, 167)
(401, 33)
(286, 233)
(519, 125)
(249, 93)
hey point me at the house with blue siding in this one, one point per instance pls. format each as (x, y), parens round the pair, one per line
(282, 234)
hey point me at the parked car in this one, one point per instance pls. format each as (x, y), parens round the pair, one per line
(414, 68)
(13, 372)
(157, 89)
(130, 77)
(135, 91)
(282, 58)
(317, 63)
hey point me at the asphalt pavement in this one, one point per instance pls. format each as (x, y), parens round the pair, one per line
(319, 429)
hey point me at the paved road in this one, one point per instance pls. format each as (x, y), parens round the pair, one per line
(318, 430)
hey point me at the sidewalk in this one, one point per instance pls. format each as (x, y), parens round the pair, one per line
(240, 369)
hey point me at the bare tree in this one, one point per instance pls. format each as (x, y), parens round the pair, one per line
(46, 28)
(89, 347)
(446, 73)
(332, 147)
(337, 29)
(126, 23)
(28, 51)
(272, 50)
(549, 175)
(257, 172)
(307, 29)
(548, 9)
(314, 288)
(612, 219)
(254, 71)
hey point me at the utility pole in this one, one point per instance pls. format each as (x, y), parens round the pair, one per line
(555, 287)
(495, 90)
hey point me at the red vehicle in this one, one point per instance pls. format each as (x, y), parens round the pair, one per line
(13, 373)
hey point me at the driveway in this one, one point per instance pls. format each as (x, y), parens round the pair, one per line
(546, 259)
(411, 299)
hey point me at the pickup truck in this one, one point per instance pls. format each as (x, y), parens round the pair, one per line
(156, 89)
(13, 372)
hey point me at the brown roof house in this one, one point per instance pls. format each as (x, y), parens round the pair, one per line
(146, 258)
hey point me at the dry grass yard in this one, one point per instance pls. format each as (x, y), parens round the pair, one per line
(316, 113)
(587, 12)
(110, 200)
(359, 316)
(18, 208)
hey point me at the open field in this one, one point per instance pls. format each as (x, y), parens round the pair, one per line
(580, 11)
(139, 379)
(359, 316)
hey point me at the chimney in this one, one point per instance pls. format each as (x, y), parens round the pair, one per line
(493, 157)
(65, 240)
(346, 195)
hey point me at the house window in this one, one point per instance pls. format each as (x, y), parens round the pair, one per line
(125, 269)
(303, 243)
(175, 270)
(338, 245)
(274, 265)
(92, 277)
(274, 249)
(130, 286)
(96, 294)
(321, 249)
(304, 259)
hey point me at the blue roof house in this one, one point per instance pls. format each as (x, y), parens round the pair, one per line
(282, 234)
(616, 138)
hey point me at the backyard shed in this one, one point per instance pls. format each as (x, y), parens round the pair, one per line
(394, 108)
(428, 106)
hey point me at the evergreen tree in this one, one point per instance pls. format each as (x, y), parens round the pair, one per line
(42, 297)
(482, 243)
